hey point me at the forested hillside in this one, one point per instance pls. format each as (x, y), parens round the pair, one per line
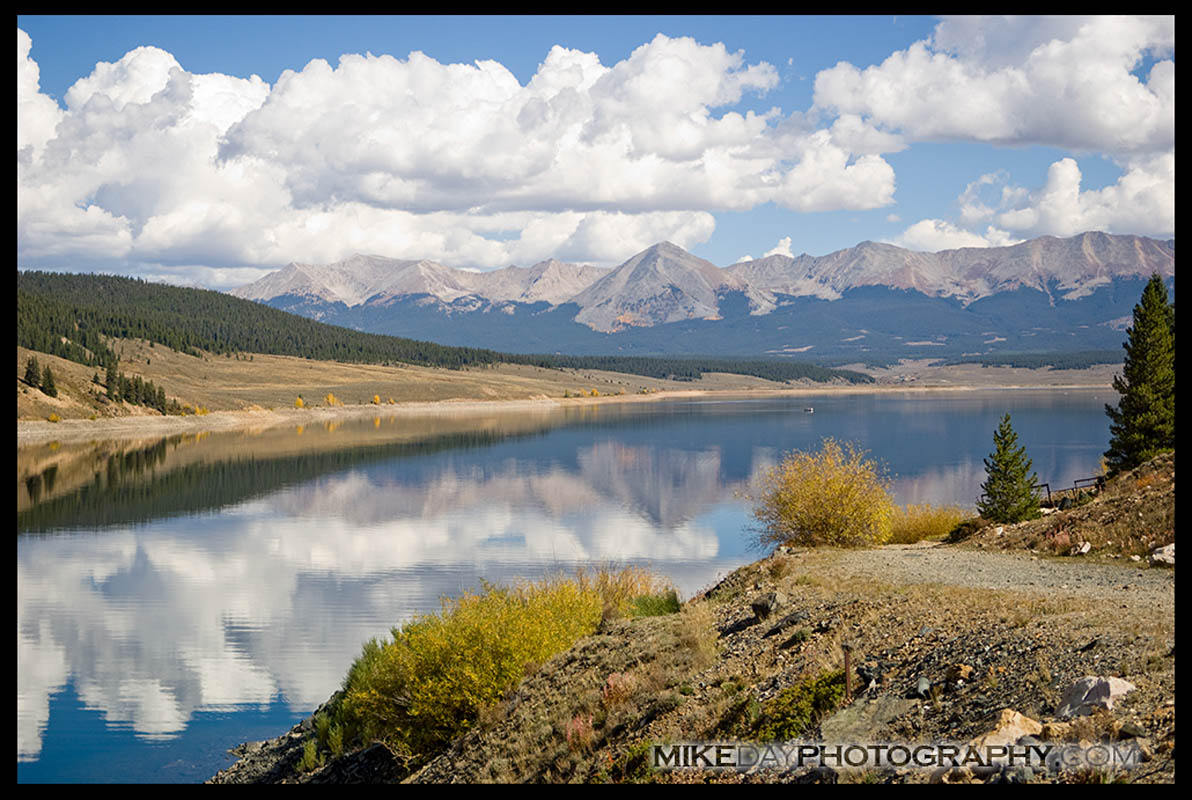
(69, 315)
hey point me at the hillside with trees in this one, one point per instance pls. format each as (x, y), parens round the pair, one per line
(73, 316)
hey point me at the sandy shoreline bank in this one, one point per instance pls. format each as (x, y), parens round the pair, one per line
(36, 432)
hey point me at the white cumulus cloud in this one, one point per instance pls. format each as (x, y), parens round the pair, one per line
(933, 235)
(1141, 201)
(783, 248)
(207, 176)
(1066, 82)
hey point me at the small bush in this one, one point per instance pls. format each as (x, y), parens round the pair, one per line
(618, 688)
(311, 758)
(619, 588)
(835, 497)
(579, 733)
(54, 418)
(655, 605)
(430, 682)
(914, 523)
(299, 402)
(322, 728)
(964, 529)
(335, 740)
(798, 708)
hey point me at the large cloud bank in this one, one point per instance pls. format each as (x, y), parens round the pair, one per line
(1103, 85)
(214, 178)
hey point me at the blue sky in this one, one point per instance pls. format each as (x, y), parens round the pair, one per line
(210, 150)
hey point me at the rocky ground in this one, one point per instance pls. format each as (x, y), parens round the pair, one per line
(947, 642)
(1127, 520)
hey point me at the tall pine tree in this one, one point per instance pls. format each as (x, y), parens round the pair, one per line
(33, 372)
(47, 382)
(1010, 491)
(1143, 424)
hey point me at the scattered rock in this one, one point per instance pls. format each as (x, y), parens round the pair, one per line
(790, 619)
(1163, 556)
(958, 673)
(1090, 693)
(1008, 728)
(952, 775)
(1128, 730)
(373, 765)
(817, 775)
(767, 604)
(922, 689)
(1017, 774)
(870, 673)
(1056, 732)
(1083, 549)
(827, 625)
(858, 722)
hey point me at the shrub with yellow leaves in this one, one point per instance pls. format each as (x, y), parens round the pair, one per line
(427, 684)
(835, 497)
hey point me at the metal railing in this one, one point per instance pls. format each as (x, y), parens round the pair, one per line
(1080, 485)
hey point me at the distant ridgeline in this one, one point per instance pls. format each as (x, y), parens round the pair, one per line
(69, 315)
(1080, 359)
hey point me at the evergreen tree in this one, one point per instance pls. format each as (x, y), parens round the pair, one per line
(32, 372)
(1010, 490)
(112, 381)
(1143, 424)
(47, 383)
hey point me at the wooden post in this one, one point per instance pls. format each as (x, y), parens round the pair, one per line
(848, 671)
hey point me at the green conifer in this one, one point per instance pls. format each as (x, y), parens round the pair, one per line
(47, 382)
(32, 372)
(1143, 424)
(1010, 492)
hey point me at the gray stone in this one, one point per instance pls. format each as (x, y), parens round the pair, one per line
(767, 604)
(1163, 556)
(870, 673)
(922, 688)
(1090, 693)
(857, 723)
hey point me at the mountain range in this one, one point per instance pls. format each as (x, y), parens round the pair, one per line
(870, 302)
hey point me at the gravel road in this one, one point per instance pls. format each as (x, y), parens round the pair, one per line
(1124, 582)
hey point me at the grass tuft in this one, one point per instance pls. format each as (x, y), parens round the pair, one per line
(655, 605)
(916, 523)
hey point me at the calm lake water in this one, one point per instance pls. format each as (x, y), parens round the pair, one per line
(177, 597)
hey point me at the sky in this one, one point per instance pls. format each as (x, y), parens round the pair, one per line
(211, 150)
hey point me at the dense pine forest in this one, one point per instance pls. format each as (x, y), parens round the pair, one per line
(71, 316)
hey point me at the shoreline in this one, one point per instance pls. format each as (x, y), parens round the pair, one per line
(32, 433)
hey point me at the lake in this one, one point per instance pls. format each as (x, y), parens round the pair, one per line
(176, 597)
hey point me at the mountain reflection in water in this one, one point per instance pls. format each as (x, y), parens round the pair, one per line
(157, 580)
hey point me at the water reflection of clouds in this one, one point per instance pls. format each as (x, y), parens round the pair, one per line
(274, 597)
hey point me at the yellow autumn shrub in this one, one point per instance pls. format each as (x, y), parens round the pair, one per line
(835, 497)
(429, 682)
